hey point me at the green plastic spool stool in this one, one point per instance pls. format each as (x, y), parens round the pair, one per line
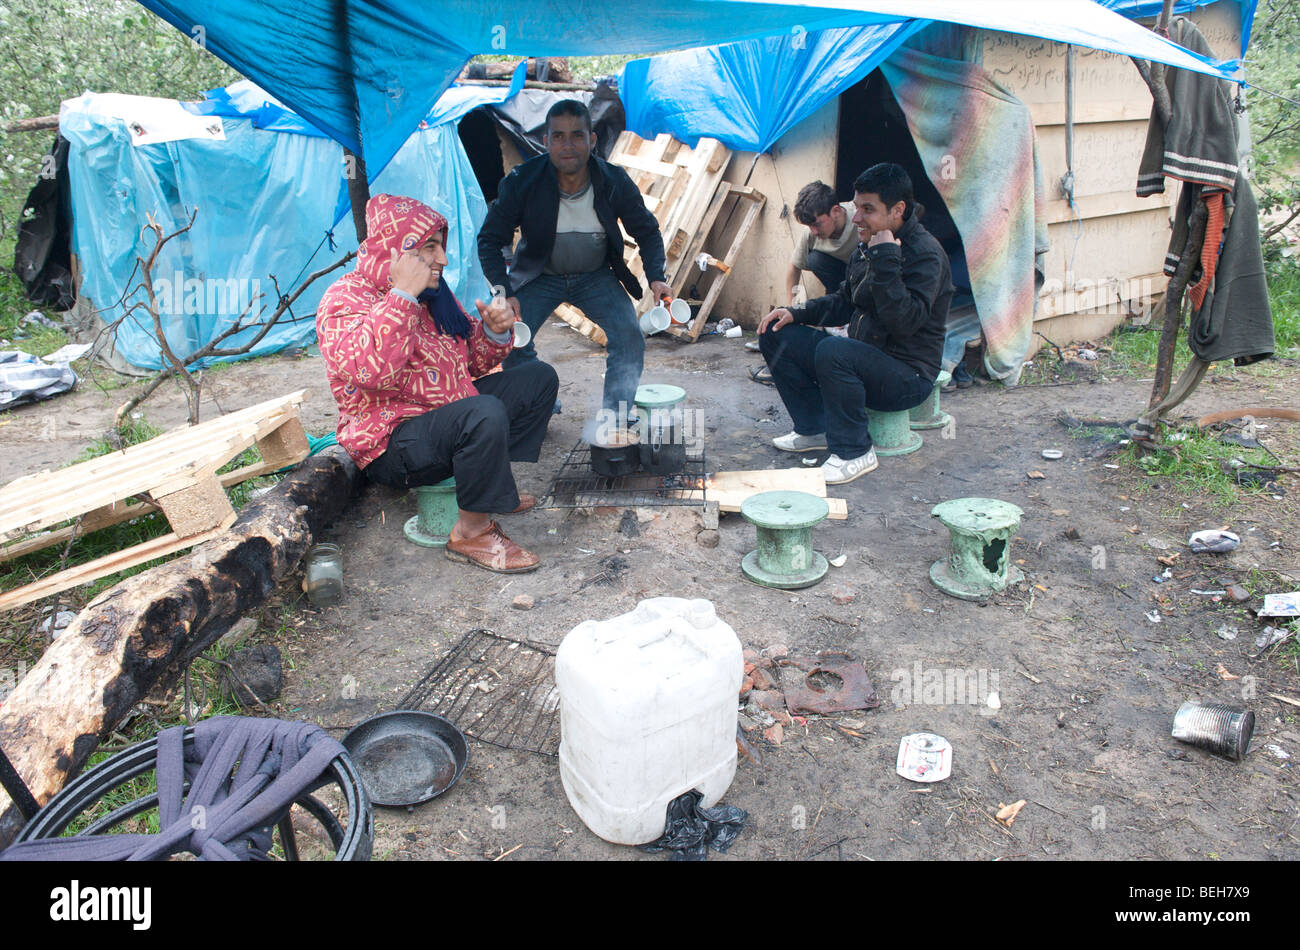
(658, 396)
(928, 415)
(891, 432)
(438, 513)
(784, 520)
(979, 559)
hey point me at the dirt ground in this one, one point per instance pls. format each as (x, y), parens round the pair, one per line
(1087, 683)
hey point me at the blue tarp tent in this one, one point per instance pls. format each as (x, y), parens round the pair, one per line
(268, 189)
(366, 71)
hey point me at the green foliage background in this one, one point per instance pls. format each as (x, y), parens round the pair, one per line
(51, 50)
(1273, 62)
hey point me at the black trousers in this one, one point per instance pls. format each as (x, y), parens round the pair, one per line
(829, 269)
(475, 439)
(829, 382)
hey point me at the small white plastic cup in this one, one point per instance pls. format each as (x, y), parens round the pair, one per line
(655, 320)
(521, 333)
(734, 332)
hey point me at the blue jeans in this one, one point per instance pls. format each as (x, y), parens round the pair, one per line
(829, 382)
(827, 268)
(605, 303)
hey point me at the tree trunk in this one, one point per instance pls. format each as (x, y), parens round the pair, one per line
(144, 631)
(1191, 256)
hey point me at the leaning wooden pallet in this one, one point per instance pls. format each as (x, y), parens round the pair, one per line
(753, 204)
(175, 473)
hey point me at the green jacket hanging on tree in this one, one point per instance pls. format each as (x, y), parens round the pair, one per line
(1231, 315)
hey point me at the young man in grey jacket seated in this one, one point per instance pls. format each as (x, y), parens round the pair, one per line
(894, 300)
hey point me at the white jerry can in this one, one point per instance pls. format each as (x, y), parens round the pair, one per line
(648, 705)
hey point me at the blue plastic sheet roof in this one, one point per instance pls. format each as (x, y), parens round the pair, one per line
(749, 94)
(366, 72)
(1150, 8)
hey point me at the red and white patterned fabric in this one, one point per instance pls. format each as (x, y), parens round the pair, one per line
(384, 356)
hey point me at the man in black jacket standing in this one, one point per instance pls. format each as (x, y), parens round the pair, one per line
(895, 300)
(568, 204)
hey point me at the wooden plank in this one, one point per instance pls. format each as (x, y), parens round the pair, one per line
(575, 318)
(94, 520)
(681, 278)
(1101, 206)
(109, 564)
(285, 445)
(673, 194)
(730, 489)
(1099, 297)
(739, 485)
(649, 165)
(755, 205)
(1092, 111)
(197, 509)
(707, 167)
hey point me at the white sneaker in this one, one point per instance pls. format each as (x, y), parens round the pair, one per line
(794, 442)
(837, 471)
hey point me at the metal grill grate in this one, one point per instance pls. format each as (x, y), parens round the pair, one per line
(497, 690)
(577, 486)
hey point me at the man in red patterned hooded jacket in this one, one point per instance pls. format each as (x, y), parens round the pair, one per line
(406, 366)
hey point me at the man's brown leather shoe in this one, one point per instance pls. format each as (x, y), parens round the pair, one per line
(492, 550)
(526, 503)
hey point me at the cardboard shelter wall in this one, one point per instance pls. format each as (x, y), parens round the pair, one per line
(1115, 242)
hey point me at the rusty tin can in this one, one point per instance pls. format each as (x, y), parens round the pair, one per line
(1223, 730)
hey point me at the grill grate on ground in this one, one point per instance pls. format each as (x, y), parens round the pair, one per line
(497, 690)
(577, 486)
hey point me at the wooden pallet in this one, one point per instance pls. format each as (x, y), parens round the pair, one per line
(752, 202)
(175, 473)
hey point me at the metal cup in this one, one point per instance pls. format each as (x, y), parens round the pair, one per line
(1223, 730)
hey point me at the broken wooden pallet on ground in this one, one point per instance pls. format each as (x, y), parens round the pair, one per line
(175, 472)
(685, 189)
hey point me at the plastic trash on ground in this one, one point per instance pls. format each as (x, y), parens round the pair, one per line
(690, 830)
(1213, 542)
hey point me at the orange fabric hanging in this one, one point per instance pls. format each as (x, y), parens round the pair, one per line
(1210, 248)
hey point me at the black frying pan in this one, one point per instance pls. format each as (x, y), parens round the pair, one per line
(407, 757)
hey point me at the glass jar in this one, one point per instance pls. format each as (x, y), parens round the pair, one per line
(323, 575)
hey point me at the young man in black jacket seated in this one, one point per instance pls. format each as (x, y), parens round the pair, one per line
(567, 204)
(895, 300)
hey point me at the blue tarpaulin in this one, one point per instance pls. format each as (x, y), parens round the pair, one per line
(365, 72)
(266, 193)
(749, 94)
(1151, 8)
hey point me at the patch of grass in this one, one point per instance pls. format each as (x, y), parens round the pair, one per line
(1134, 348)
(14, 306)
(1193, 467)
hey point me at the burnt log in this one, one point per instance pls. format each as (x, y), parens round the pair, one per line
(141, 633)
